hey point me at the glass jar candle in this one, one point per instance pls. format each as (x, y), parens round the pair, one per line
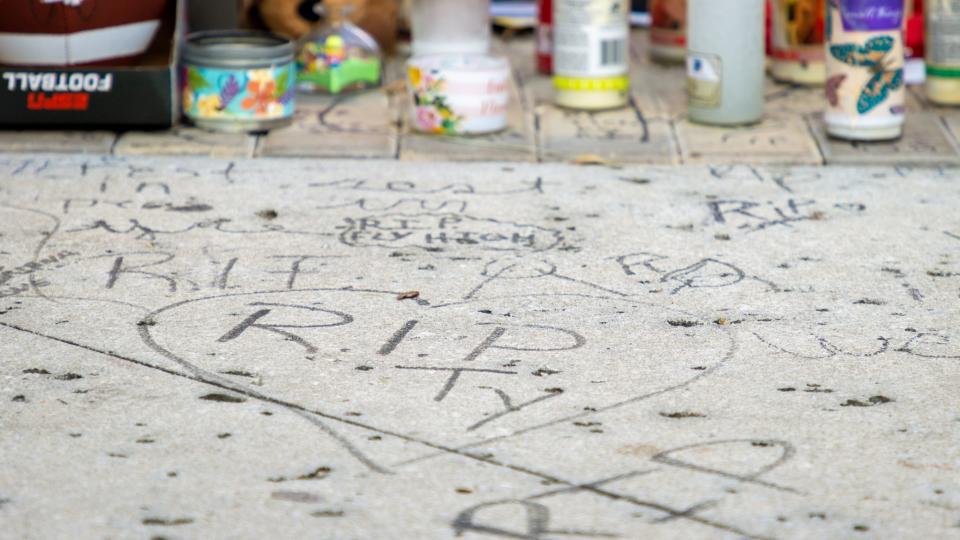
(450, 27)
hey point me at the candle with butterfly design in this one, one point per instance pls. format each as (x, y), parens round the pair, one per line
(865, 84)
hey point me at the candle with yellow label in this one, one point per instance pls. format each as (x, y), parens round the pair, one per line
(865, 84)
(590, 53)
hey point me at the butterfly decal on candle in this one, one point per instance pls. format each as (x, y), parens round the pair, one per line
(873, 55)
(832, 86)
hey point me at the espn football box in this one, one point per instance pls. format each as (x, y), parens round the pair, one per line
(138, 92)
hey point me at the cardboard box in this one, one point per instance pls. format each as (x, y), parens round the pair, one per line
(142, 92)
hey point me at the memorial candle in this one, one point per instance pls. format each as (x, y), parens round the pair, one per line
(725, 60)
(865, 83)
(590, 53)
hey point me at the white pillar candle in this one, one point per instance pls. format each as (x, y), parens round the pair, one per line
(450, 27)
(725, 61)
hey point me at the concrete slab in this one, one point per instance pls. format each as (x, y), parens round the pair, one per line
(186, 141)
(354, 126)
(77, 142)
(781, 140)
(200, 348)
(620, 136)
(925, 141)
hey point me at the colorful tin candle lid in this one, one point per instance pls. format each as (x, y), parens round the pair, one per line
(459, 94)
(238, 80)
(236, 48)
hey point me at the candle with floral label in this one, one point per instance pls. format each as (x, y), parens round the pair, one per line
(668, 30)
(458, 94)
(865, 85)
(943, 51)
(590, 53)
(725, 61)
(796, 41)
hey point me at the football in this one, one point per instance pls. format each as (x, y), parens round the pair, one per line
(72, 32)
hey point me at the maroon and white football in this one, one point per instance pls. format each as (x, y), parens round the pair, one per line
(69, 32)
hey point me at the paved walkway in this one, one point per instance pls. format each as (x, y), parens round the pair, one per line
(203, 348)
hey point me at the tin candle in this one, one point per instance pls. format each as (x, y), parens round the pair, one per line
(943, 51)
(459, 94)
(865, 84)
(668, 30)
(796, 41)
(725, 60)
(238, 80)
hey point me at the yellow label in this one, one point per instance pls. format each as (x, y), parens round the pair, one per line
(588, 85)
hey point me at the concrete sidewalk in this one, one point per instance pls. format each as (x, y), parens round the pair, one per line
(202, 348)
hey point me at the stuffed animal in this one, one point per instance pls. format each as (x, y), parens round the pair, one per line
(296, 18)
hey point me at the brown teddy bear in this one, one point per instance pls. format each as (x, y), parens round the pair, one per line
(295, 18)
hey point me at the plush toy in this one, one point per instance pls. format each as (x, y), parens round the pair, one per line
(295, 18)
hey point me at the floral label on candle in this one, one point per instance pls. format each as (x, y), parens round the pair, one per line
(704, 79)
(432, 111)
(457, 95)
(870, 15)
(865, 67)
(233, 94)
